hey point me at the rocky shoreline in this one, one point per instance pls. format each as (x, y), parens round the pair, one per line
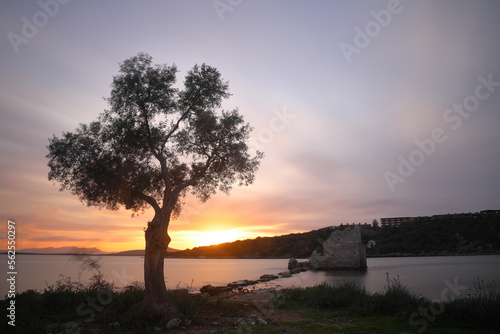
(343, 249)
(242, 285)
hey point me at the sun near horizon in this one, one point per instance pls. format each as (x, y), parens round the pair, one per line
(205, 224)
(181, 240)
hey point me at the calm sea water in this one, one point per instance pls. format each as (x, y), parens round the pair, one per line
(428, 276)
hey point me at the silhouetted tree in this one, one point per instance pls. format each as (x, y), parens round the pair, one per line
(153, 144)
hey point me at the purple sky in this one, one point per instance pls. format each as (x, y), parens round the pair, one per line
(364, 109)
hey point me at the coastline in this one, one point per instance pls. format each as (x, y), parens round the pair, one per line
(169, 256)
(341, 308)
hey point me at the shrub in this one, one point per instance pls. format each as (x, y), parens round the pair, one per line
(482, 307)
(396, 299)
(326, 295)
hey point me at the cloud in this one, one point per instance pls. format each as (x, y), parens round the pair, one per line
(352, 121)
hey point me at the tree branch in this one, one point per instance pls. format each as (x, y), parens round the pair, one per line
(175, 128)
(148, 199)
(193, 180)
(184, 185)
(148, 129)
(158, 155)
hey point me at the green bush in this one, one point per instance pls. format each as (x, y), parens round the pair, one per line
(481, 307)
(396, 299)
(326, 295)
(127, 297)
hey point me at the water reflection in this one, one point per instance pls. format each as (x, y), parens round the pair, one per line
(425, 275)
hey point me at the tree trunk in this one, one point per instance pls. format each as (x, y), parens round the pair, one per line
(156, 300)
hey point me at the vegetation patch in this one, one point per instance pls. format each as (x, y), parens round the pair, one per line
(446, 236)
(344, 307)
(73, 307)
(347, 299)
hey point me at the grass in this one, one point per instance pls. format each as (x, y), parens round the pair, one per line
(344, 307)
(481, 307)
(480, 310)
(375, 324)
(395, 300)
(69, 306)
(325, 295)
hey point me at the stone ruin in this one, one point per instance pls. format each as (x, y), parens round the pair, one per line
(342, 250)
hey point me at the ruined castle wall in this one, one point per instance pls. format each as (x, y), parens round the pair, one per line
(342, 250)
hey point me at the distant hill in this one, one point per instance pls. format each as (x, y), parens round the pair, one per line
(453, 236)
(82, 250)
(62, 250)
(298, 245)
(140, 252)
(430, 236)
(444, 236)
(137, 252)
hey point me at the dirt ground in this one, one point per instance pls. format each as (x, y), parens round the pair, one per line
(251, 308)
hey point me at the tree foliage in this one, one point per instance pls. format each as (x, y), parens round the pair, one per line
(156, 141)
(432, 237)
(297, 245)
(453, 236)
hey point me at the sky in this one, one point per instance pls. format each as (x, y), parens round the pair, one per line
(364, 109)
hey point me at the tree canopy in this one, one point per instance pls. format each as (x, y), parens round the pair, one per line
(156, 141)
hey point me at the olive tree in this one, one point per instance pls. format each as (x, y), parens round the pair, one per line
(155, 143)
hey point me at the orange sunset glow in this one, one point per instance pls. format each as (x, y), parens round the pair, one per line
(200, 224)
(347, 131)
